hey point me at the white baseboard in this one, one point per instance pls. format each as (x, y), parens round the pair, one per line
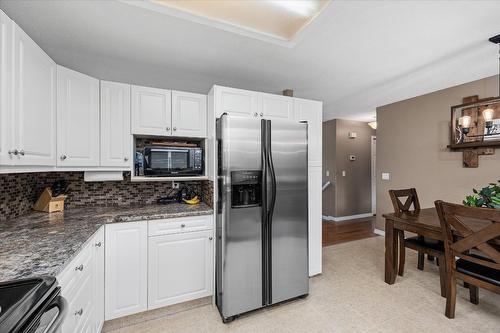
(346, 218)
(379, 232)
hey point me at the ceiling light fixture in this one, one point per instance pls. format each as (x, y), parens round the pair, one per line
(301, 7)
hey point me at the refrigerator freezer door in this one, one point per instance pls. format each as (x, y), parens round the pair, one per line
(289, 223)
(239, 287)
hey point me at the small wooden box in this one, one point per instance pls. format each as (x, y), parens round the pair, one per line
(47, 203)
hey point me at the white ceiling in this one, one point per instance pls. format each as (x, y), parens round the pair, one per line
(355, 56)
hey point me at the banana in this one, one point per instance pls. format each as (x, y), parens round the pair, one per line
(193, 201)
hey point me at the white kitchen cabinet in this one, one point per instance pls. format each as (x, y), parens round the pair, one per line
(189, 114)
(236, 102)
(312, 112)
(77, 119)
(98, 248)
(315, 220)
(126, 271)
(82, 285)
(151, 111)
(116, 140)
(180, 268)
(276, 106)
(6, 70)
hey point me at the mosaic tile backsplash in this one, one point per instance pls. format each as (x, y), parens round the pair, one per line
(18, 192)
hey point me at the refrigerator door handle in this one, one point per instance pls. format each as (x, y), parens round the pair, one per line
(271, 172)
(265, 238)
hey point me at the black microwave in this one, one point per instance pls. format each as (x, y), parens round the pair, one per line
(173, 161)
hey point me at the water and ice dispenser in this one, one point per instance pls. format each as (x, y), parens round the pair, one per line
(246, 188)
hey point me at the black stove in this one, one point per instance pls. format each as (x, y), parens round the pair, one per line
(31, 306)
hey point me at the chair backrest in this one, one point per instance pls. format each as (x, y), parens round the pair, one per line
(411, 199)
(478, 230)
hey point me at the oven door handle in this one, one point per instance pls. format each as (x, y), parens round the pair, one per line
(61, 303)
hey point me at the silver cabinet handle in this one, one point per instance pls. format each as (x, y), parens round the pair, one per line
(210, 238)
(21, 152)
(168, 128)
(98, 244)
(13, 152)
(125, 159)
(175, 128)
(261, 114)
(79, 312)
(183, 225)
(79, 268)
(63, 157)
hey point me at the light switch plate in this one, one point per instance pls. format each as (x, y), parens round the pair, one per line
(343, 173)
(386, 176)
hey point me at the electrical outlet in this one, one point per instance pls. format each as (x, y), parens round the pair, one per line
(328, 173)
(386, 176)
(343, 173)
(175, 185)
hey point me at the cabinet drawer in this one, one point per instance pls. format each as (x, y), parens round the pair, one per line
(80, 306)
(179, 225)
(77, 269)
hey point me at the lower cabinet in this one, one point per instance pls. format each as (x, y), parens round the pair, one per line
(126, 269)
(82, 283)
(315, 220)
(180, 268)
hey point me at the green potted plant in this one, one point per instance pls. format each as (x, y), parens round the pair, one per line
(488, 197)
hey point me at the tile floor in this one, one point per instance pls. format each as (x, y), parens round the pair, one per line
(351, 296)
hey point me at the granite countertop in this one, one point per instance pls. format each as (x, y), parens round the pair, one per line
(43, 244)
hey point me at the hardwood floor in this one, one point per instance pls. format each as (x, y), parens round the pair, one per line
(345, 231)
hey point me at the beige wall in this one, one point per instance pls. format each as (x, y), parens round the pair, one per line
(412, 136)
(350, 194)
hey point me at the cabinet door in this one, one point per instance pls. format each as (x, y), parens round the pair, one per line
(151, 111)
(126, 270)
(180, 268)
(276, 107)
(77, 119)
(312, 112)
(6, 129)
(34, 102)
(98, 258)
(315, 220)
(236, 102)
(116, 140)
(189, 114)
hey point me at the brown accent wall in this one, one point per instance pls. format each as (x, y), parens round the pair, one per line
(20, 191)
(350, 194)
(412, 136)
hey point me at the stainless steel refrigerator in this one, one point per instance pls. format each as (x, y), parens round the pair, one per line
(262, 225)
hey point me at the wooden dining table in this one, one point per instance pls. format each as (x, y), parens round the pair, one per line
(424, 222)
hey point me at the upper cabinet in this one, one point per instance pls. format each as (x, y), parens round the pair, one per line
(312, 112)
(236, 102)
(28, 99)
(115, 124)
(168, 113)
(276, 106)
(77, 119)
(151, 111)
(6, 69)
(189, 114)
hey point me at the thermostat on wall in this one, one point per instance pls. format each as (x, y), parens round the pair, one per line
(352, 157)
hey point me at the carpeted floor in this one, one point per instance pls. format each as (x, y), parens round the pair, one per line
(351, 296)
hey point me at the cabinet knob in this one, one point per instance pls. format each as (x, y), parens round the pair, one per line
(79, 312)
(168, 128)
(79, 268)
(255, 114)
(63, 157)
(175, 128)
(98, 244)
(261, 114)
(21, 152)
(13, 152)
(210, 238)
(183, 225)
(125, 159)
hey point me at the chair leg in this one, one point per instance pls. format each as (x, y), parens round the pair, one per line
(438, 261)
(442, 277)
(402, 253)
(474, 294)
(420, 265)
(451, 296)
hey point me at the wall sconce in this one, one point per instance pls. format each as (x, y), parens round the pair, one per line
(464, 124)
(488, 122)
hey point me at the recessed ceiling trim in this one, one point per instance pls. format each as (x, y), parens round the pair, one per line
(229, 26)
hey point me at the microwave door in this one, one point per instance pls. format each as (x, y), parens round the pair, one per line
(179, 160)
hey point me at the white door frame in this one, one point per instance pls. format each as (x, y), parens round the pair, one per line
(373, 145)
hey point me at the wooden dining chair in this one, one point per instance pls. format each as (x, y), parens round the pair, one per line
(418, 243)
(478, 251)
